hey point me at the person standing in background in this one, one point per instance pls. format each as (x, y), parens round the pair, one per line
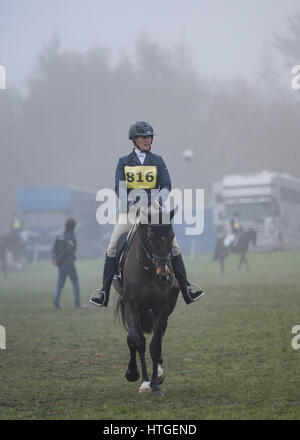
(63, 256)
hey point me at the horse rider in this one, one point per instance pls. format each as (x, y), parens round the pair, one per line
(236, 228)
(16, 225)
(130, 169)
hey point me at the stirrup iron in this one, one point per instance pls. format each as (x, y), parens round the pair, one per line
(97, 293)
(197, 289)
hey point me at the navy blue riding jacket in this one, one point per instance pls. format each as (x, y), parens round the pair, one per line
(69, 258)
(152, 174)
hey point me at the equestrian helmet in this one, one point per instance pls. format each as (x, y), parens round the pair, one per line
(140, 128)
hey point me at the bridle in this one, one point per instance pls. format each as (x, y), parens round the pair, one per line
(153, 258)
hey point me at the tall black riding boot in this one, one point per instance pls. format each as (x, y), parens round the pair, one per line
(188, 294)
(101, 296)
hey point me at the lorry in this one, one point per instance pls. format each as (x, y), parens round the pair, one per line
(268, 202)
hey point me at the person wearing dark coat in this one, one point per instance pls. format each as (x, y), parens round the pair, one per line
(66, 265)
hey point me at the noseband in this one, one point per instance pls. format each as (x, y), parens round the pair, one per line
(153, 258)
(161, 261)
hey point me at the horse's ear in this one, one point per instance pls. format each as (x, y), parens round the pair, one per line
(173, 212)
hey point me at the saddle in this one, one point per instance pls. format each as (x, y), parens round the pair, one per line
(123, 245)
(231, 240)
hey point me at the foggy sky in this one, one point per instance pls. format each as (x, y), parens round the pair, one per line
(224, 38)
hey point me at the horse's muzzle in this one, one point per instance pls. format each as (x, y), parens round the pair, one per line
(163, 273)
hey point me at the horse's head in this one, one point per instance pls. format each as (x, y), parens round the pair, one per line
(160, 238)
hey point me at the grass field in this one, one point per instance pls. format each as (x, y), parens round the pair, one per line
(228, 356)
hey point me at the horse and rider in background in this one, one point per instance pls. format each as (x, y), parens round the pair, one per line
(12, 243)
(237, 242)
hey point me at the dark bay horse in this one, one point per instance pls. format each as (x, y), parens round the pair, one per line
(147, 298)
(14, 243)
(240, 248)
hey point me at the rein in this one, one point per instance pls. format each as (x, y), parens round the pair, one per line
(150, 255)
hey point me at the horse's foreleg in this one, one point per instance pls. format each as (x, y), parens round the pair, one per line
(222, 265)
(132, 374)
(243, 260)
(240, 262)
(4, 268)
(155, 351)
(145, 381)
(246, 263)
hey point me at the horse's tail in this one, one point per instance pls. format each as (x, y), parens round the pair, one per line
(145, 317)
(119, 312)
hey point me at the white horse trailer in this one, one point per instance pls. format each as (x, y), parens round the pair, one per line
(269, 202)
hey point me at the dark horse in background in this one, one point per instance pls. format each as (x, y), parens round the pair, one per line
(146, 299)
(240, 248)
(14, 243)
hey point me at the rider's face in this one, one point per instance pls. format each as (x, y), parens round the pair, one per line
(143, 142)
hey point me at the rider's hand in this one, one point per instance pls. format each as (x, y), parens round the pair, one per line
(155, 205)
(133, 207)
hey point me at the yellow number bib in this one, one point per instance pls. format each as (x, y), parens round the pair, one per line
(16, 224)
(236, 225)
(142, 177)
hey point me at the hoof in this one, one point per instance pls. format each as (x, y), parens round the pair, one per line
(145, 387)
(132, 376)
(157, 393)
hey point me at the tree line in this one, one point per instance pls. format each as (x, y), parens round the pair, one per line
(72, 124)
